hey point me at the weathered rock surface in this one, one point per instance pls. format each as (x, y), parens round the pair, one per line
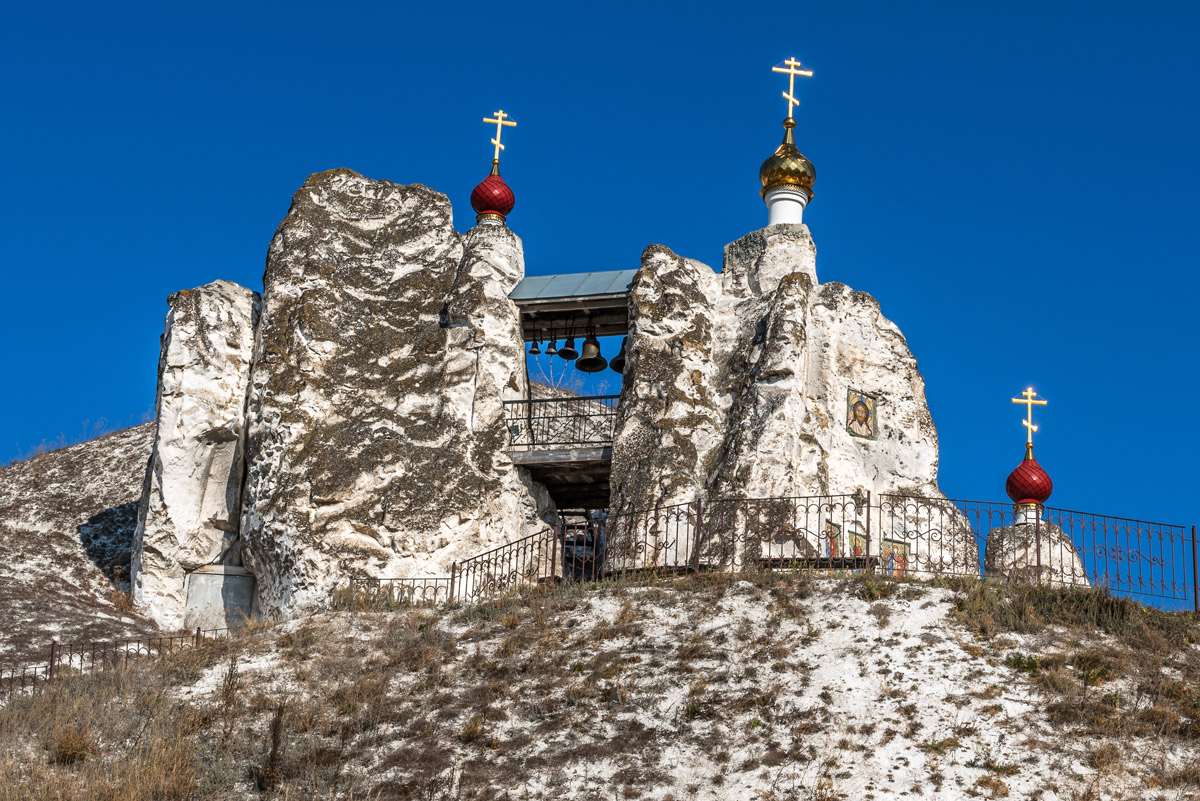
(67, 521)
(376, 430)
(1033, 550)
(190, 507)
(741, 385)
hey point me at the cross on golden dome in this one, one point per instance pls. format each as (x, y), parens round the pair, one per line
(501, 120)
(1027, 399)
(792, 68)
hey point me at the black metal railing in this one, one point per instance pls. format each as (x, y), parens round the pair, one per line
(86, 658)
(567, 422)
(890, 536)
(400, 592)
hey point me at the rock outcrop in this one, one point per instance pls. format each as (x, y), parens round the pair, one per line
(1033, 550)
(759, 382)
(376, 431)
(190, 504)
(67, 520)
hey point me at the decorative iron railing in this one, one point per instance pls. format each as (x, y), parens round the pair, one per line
(85, 659)
(1155, 563)
(526, 561)
(891, 536)
(399, 592)
(567, 422)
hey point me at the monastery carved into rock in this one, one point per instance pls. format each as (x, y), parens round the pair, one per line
(371, 414)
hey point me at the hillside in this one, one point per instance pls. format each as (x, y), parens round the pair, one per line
(67, 520)
(777, 687)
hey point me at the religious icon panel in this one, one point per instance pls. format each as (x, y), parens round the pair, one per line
(831, 542)
(894, 556)
(860, 415)
(858, 545)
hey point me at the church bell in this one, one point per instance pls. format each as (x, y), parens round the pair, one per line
(534, 350)
(567, 351)
(591, 361)
(618, 362)
(553, 349)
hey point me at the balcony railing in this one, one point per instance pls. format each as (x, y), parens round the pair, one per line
(567, 422)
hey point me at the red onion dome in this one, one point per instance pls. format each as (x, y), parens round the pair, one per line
(1029, 483)
(492, 197)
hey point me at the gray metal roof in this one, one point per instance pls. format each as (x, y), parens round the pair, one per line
(569, 285)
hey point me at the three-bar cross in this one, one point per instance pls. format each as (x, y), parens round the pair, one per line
(500, 121)
(792, 68)
(1027, 398)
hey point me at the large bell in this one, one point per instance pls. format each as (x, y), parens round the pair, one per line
(591, 361)
(618, 362)
(567, 351)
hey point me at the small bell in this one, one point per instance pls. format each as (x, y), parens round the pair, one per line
(591, 361)
(567, 351)
(553, 349)
(618, 362)
(534, 350)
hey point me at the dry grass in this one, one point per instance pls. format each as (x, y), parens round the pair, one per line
(470, 701)
(1112, 668)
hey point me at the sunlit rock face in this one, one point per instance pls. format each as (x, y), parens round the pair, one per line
(188, 514)
(1033, 550)
(745, 384)
(67, 522)
(376, 430)
(669, 419)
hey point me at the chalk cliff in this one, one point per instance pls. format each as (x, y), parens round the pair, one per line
(191, 502)
(751, 382)
(376, 431)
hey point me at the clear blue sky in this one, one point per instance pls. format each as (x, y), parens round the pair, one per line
(1015, 182)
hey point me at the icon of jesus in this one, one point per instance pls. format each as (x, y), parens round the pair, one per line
(860, 416)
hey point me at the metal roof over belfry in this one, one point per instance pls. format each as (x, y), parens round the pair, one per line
(553, 305)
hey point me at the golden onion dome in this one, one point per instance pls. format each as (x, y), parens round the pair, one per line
(787, 165)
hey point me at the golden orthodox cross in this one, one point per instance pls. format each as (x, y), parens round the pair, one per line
(500, 121)
(792, 68)
(1027, 398)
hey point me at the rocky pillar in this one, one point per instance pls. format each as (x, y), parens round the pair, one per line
(377, 442)
(669, 418)
(188, 515)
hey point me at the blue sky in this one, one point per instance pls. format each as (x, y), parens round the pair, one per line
(1014, 182)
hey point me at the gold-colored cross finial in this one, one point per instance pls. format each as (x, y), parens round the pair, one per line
(1027, 398)
(500, 121)
(792, 68)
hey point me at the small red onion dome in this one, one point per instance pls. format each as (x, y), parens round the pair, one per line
(1029, 483)
(492, 199)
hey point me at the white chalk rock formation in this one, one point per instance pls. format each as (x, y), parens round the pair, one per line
(746, 384)
(67, 521)
(188, 515)
(1033, 550)
(377, 441)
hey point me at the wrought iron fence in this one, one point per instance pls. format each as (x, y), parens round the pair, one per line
(573, 421)
(909, 537)
(398, 592)
(1155, 563)
(891, 536)
(526, 561)
(1138, 558)
(85, 659)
